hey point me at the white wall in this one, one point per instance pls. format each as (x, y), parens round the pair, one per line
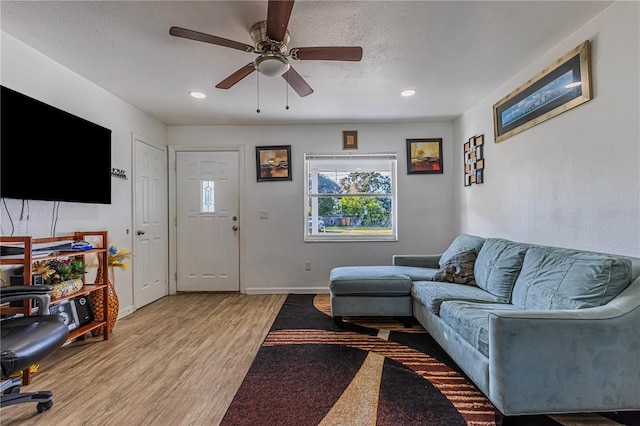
(573, 180)
(29, 72)
(274, 251)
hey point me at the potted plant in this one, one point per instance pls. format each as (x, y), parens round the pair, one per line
(65, 275)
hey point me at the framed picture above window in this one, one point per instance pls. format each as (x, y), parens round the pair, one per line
(424, 156)
(273, 163)
(350, 139)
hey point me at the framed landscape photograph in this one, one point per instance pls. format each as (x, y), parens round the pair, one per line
(273, 163)
(558, 88)
(424, 156)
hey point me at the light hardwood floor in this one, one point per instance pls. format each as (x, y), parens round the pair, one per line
(177, 361)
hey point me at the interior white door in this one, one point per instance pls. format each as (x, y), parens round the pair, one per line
(208, 244)
(150, 233)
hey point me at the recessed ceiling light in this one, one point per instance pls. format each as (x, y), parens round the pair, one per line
(197, 95)
(408, 92)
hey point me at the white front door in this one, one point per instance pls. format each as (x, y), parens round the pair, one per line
(150, 232)
(208, 244)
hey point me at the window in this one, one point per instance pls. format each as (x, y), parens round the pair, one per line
(350, 197)
(207, 197)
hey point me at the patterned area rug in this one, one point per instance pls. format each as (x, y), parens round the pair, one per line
(373, 371)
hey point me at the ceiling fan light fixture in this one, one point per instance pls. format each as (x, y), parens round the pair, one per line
(271, 65)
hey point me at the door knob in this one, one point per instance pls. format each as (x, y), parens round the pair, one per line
(234, 227)
(140, 232)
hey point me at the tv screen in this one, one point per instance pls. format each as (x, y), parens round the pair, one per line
(49, 154)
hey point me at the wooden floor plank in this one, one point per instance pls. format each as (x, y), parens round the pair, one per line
(177, 361)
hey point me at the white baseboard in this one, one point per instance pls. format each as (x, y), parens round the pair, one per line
(126, 311)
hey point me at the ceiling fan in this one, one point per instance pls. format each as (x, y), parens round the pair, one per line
(271, 38)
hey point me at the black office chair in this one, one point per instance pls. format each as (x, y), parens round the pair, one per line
(25, 341)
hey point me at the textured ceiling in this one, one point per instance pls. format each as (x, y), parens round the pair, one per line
(452, 53)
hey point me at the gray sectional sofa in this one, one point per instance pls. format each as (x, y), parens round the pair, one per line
(542, 330)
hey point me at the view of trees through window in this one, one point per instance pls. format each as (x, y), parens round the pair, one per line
(360, 210)
(350, 197)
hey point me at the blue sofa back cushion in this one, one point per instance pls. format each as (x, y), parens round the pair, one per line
(458, 269)
(556, 278)
(498, 265)
(462, 243)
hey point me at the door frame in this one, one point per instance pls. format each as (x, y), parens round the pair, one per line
(135, 137)
(173, 208)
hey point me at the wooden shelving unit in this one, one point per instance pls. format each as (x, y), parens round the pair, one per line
(27, 260)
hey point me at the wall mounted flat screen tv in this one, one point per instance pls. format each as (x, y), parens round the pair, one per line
(49, 154)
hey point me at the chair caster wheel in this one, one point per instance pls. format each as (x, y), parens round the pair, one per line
(44, 406)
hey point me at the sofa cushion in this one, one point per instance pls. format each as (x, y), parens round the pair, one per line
(431, 294)
(471, 320)
(498, 265)
(370, 281)
(458, 269)
(557, 278)
(463, 242)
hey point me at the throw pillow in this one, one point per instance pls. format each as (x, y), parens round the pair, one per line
(458, 269)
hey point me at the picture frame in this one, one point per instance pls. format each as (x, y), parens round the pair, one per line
(349, 139)
(560, 87)
(424, 156)
(273, 163)
(473, 160)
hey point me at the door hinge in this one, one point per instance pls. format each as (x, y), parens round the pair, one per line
(175, 166)
(175, 221)
(175, 276)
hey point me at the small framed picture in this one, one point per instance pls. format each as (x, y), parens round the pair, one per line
(424, 156)
(480, 140)
(273, 163)
(350, 139)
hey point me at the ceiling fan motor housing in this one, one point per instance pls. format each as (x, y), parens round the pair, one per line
(264, 44)
(272, 61)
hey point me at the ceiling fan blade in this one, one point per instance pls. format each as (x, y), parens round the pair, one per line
(278, 14)
(335, 53)
(296, 81)
(207, 38)
(236, 76)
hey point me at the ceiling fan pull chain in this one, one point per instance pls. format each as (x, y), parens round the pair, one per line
(258, 87)
(286, 83)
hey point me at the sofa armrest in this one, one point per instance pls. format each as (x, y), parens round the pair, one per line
(422, 261)
(567, 360)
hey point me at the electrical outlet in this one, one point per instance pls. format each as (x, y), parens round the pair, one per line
(307, 265)
(264, 214)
